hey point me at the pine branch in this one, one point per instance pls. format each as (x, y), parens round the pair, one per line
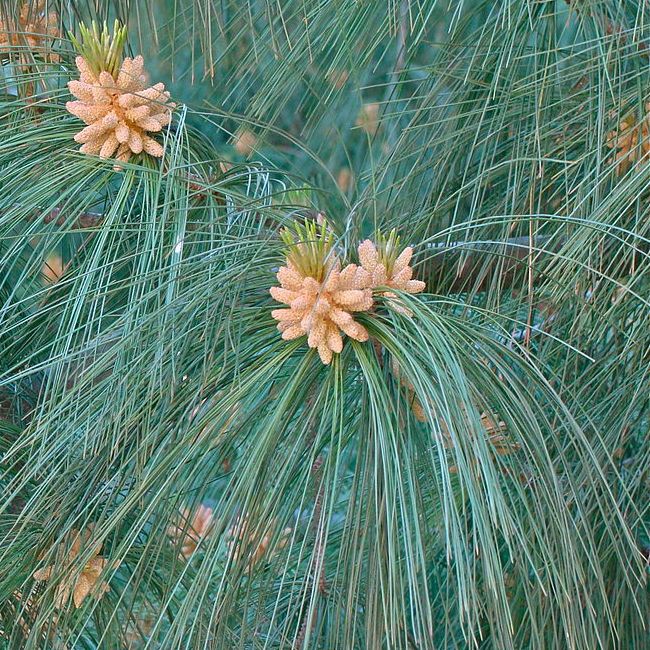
(475, 266)
(319, 555)
(197, 186)
(464, 266)
(84, 220)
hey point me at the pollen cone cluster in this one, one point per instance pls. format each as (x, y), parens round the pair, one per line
(119, 112)
(251, 544)
(191, 529)
(631, 141)
(323, 309)
(415, 403)
(22, 610)
(495, 430)
(501, 444)
(382, 271)
(36, 29)
(79, 585)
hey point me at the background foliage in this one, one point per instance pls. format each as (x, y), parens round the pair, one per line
(141, 372)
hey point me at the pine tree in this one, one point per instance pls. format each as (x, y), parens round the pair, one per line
(443, 209)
